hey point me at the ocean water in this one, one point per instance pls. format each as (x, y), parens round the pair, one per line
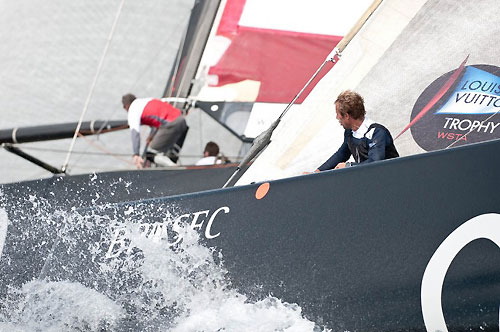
(49, 57)
(117, 272)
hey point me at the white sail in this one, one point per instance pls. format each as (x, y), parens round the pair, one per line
(402, 62)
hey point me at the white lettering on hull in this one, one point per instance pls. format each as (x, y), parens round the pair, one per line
(165, 231)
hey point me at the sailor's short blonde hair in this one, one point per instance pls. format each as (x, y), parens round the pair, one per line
(350, 102)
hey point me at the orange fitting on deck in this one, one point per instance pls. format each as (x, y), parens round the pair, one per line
(262, 190)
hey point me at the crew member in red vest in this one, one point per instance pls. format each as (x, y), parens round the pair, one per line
(167, 125)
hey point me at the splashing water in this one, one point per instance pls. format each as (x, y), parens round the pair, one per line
(4, 222)
(59, 306)
(148, 284)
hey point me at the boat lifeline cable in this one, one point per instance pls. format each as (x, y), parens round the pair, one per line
(264, 138)
(92, 87)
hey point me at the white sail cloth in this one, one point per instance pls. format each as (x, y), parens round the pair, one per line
(403, 48)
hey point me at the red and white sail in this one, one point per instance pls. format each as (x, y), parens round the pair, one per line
(261, 53)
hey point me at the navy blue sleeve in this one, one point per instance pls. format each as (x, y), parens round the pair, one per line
(342, 155)
(377, 145)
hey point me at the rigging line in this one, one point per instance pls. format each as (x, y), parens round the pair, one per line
(331, 58)
(94, 82)
(142, 72)
(472, 129)
(86, 153)
(336, 53)
(167, 40)
(106, 151)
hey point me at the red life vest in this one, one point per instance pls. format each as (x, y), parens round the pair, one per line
(158, 113)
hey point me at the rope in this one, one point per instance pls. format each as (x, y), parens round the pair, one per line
(94, 82)
(148, 65)
(142, 72)
(127, 161)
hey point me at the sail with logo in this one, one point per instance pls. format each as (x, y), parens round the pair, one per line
(430, 78)
(467, 113)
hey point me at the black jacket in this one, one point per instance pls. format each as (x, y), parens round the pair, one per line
(364, 150)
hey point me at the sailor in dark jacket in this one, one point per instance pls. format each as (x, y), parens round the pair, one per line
(364, 139)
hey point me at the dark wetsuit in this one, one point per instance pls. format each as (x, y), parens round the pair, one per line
(364, 150)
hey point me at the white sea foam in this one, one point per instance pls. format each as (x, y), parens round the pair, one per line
(153, 287)
(234, 313)
(4, 222)
(60, 306)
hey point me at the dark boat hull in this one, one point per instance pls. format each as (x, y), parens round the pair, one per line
(352, 247)
(31, 205)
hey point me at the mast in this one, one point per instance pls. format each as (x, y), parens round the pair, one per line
(189, 55)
